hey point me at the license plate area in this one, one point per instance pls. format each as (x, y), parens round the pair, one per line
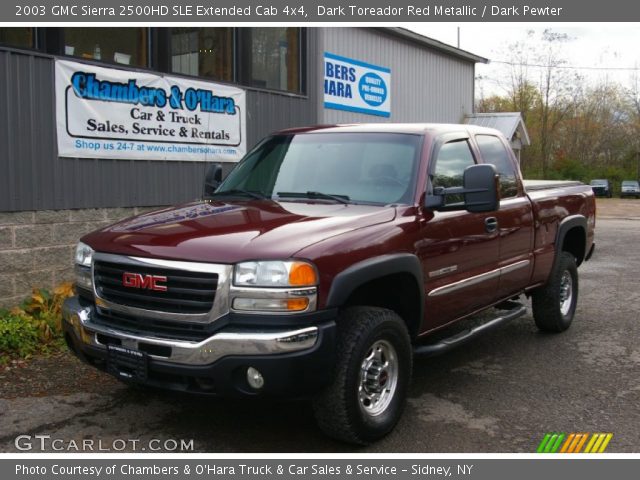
(126, 363)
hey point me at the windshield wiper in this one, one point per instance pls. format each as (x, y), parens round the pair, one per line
(239, 191)
(309, 194)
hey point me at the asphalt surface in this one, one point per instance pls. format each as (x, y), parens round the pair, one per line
(500, 393)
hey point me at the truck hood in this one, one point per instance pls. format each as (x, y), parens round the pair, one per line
(229, 232)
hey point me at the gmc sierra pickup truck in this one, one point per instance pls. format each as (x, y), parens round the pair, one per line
(324, 262)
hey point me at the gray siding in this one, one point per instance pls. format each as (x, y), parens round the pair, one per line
(426, 85)
(32, 177)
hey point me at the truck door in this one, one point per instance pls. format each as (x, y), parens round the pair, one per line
(459, 254)
(514, 219)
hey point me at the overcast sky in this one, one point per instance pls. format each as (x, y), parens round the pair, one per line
(601, 45)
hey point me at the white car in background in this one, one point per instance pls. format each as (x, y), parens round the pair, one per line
(630, 188)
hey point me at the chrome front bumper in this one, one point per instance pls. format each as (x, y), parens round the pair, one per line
(220, 345)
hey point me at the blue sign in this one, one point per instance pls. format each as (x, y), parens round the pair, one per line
(356, 86)
(373, 89)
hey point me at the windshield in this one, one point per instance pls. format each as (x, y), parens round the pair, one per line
(345, 167)
(629, 183)
(598, 182)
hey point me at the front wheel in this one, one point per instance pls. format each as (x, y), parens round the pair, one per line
(372, 374)
(554, 305)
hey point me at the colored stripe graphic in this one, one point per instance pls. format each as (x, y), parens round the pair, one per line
(569, 441)
(590, 444)
(605, 443)
(543, 443)
(583, 439)
(573, 442)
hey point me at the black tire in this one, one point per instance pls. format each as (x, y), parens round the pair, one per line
(340, 410)
(553, 311)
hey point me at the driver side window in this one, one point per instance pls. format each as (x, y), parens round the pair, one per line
(451, 161)
(493, 151)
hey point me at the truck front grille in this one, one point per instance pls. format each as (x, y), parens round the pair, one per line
(186, 292)
(174, 330)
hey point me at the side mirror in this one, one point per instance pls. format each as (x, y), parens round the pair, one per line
(480, 191)
(481, 188)
(212, 178)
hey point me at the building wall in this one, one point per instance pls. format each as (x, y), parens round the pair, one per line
(47, 203)
(426, 85)
(35, 178)
(37, 247)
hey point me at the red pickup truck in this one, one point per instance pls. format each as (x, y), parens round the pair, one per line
(324, 262)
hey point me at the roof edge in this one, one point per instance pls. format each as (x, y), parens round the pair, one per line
(435, 44)
(519, 124)
(494, 114)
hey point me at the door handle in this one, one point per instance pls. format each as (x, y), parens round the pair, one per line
(490, 224)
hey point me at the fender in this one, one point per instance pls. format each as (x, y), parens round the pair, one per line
(567, 224)
(347, 281)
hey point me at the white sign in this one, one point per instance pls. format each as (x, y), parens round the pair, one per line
(112, 113)
(356, 86)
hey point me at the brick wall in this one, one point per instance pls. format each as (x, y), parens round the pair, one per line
(37, 248)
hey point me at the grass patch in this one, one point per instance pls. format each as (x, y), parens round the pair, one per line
(35, 326)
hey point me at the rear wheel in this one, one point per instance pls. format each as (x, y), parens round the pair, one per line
(554, 305)
(373, 369)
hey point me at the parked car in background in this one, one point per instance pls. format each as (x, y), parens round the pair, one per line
(601, 188)
(630, 188)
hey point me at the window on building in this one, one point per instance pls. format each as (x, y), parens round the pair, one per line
(493, 151)
(127, 46)
(453, 158)
(17, 37)
(203, 52)
(270, 58)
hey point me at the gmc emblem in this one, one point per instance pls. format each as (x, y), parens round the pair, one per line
(150, 282)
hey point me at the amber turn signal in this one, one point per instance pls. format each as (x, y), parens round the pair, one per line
(297, 304)
(302, 275)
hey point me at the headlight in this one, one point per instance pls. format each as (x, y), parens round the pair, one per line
(275, 273)
(84, 253)
(83, 278)
(274, 286)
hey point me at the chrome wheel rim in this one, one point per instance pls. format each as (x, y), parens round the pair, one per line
(566, 293)
(378, 378)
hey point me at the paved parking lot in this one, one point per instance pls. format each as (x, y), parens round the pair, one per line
(500, 393)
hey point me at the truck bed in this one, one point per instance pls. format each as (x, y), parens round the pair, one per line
(535, 185)
(553, 202)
